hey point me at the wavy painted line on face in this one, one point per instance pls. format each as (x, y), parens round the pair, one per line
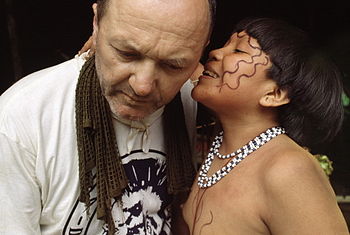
(241, 61)
(246, 62)
(252, 58)
(243, 75)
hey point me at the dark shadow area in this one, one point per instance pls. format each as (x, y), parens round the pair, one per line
(47, 32)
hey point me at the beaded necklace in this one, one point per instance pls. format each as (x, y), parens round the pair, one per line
(205, 181)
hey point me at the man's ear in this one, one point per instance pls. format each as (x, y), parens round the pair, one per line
(95, 24)
(274, 97)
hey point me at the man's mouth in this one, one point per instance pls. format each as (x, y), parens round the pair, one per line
(129, 98)
(137, 100)
(210, 74)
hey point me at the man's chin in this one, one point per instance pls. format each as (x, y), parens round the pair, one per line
(132, 117)
(131, 114)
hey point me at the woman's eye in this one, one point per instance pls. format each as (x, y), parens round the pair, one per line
(238, 51)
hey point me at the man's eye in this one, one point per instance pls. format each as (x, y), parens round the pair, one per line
(126, 54)
(173, 67)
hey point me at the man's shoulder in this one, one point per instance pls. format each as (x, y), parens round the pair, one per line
(41, 98)
(67, 71)
(42, 86)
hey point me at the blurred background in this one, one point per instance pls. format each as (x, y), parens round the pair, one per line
(36, 34)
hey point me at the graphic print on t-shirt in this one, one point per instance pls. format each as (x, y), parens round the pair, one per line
(144, 206)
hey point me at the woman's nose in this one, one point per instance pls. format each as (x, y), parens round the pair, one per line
(216, 55)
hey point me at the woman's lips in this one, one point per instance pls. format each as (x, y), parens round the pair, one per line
(210, 73)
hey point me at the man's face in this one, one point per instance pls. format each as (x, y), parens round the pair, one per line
(146, 50)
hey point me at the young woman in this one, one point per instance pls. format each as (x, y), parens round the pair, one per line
(273, 95)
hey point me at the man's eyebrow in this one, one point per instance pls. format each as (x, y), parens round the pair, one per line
(125, 45)
(180, 62)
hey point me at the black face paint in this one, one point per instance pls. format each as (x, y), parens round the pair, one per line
(252, 60)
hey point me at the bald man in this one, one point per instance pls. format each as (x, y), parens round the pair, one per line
(102, 145)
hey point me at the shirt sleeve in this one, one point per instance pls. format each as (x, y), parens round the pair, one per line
(20, 202)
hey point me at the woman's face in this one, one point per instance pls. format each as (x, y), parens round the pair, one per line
(234, 74)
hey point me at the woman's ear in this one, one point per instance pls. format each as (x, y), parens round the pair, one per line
(275, 97)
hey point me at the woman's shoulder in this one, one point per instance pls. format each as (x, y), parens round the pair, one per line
(292, 167)
(297, 191)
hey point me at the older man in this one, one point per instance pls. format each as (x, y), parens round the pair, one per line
(99, 145)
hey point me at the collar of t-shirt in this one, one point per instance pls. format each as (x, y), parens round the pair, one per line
(139, 127)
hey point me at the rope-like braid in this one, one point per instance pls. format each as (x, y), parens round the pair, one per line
(180, 169)
(97, 146)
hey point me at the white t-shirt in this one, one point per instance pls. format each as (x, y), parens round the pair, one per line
(39, 175)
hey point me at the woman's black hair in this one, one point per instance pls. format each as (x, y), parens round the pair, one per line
(313, 82)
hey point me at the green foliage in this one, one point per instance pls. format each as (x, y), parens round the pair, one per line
(325, 163)
(346, 100)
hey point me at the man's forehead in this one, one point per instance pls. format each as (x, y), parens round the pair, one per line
(191, 15)
(157, 30)
(173, 55)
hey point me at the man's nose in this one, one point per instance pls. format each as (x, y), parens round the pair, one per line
(142, 81)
